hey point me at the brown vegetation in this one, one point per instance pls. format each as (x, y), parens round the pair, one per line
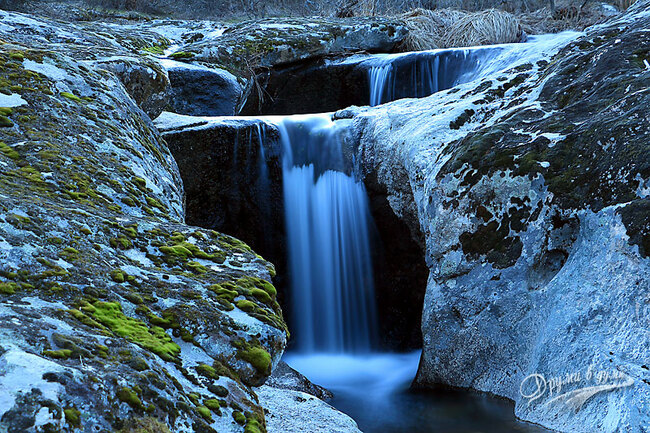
(445, 28)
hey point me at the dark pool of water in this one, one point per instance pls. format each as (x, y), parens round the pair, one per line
(439, 412)
(374, 391)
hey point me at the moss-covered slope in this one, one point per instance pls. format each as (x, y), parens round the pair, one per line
(115, 315)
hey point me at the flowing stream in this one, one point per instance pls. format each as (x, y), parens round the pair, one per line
(332, 299)
(422, 73)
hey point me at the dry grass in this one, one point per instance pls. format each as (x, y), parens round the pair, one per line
(563, 18)
(624, 4)
(447, 28)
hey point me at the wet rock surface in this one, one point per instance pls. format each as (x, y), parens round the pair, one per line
(285, 377)
(531, 193)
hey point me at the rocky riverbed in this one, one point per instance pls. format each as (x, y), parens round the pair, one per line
(523, 197)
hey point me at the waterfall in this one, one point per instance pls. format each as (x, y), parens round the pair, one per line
(416, 75)
(327, 220)
(423, 73)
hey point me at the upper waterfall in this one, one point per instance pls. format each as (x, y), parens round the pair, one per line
(422, 73)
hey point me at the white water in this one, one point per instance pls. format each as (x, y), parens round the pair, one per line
(327, 216)
(371, 378)
(422, 73)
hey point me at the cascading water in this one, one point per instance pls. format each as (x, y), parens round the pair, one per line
(327, 217)
(331, 288)
(419, 74)
(423, 73)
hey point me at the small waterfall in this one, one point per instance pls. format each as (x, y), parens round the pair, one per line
(327, 218)
(416, 75)
(423, 73)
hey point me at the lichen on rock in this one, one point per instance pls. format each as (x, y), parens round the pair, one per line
(105, 298)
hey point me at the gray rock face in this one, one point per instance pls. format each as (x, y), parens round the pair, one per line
(275, 41)
(285, 377)
(115, 315)
(222, 161)
(298, 412)
(145, 81)
(530, 191)
(202, 91)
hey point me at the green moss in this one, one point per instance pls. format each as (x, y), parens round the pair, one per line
(70, 254)
(207, 371)
(261, 295)
(212, 404)
(155, 203)
(253, 425)
(255, 355)
(156, 49)
(72, 416)
(176, 251)
(121, 243)
(239, 417)
(130, 397)
(182, 55)
(246, 305)
(182, 251)
(8, 288)
(8, 151)
(5, 122)
(58, 354)
(17, 56)
(131, 232)
(204, 412)
(6, 111)
(197, 268)
(253, 282)
(71, 96)
(118, 275)
(154, 339)
(223, 292)
(85, 319)
(140, 183)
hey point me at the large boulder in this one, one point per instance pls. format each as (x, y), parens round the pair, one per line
(530, 189)
(116, 315)
(201, 91)
(127, 52)
(298, 412)
(275, 41)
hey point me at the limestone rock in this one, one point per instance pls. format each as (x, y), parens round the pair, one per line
(295, 411)
(530, 191)
(202, 91)
(285, 377)
(115, 313)
(275, 41)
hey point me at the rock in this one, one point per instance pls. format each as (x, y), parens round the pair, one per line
(295, 411)
(317, 85)
(275, 41)
(145, 80)
(114, 312)
(530, 192)
(202, 91)
(126, 52)
(285, 377)
(232, 183)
